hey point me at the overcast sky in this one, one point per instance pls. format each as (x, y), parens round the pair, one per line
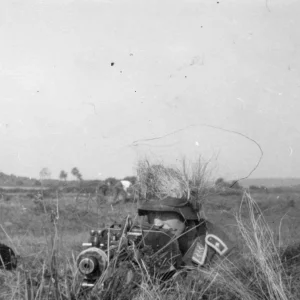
(80, 81)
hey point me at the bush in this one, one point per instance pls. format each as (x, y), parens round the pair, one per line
(37, 183)
(7, 197)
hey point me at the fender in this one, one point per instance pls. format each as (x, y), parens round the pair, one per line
(216, 243)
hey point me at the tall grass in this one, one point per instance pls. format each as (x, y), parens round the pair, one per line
(255, 271)
(265, 256)
(258, 270)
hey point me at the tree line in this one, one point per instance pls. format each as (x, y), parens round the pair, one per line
(45, 173)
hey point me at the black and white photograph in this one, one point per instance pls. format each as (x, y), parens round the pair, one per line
(149, 149)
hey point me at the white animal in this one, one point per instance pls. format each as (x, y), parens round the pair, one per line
(126, 184)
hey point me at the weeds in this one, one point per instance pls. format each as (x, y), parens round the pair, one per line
(262, 270)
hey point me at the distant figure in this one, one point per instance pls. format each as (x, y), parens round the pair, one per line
(8, 259)
(126, 184)
(112, 193)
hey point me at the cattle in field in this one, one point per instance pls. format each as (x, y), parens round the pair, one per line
(8, 259)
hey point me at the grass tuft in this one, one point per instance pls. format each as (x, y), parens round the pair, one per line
(260, 269)
(191, 181)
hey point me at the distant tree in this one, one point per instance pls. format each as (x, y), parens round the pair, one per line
(63, 175)
(111, 181)
(45, 173)
(75, 172)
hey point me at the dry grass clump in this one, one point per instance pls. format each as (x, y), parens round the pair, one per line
(257, 273)
(265, 257)
(191, 180)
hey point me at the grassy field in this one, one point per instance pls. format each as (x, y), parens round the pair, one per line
(47, 235)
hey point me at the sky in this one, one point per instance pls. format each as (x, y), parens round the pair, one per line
(91, 83)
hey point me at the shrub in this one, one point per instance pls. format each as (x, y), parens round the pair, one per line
(19, 182)
(37, 183)
(7, 197)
